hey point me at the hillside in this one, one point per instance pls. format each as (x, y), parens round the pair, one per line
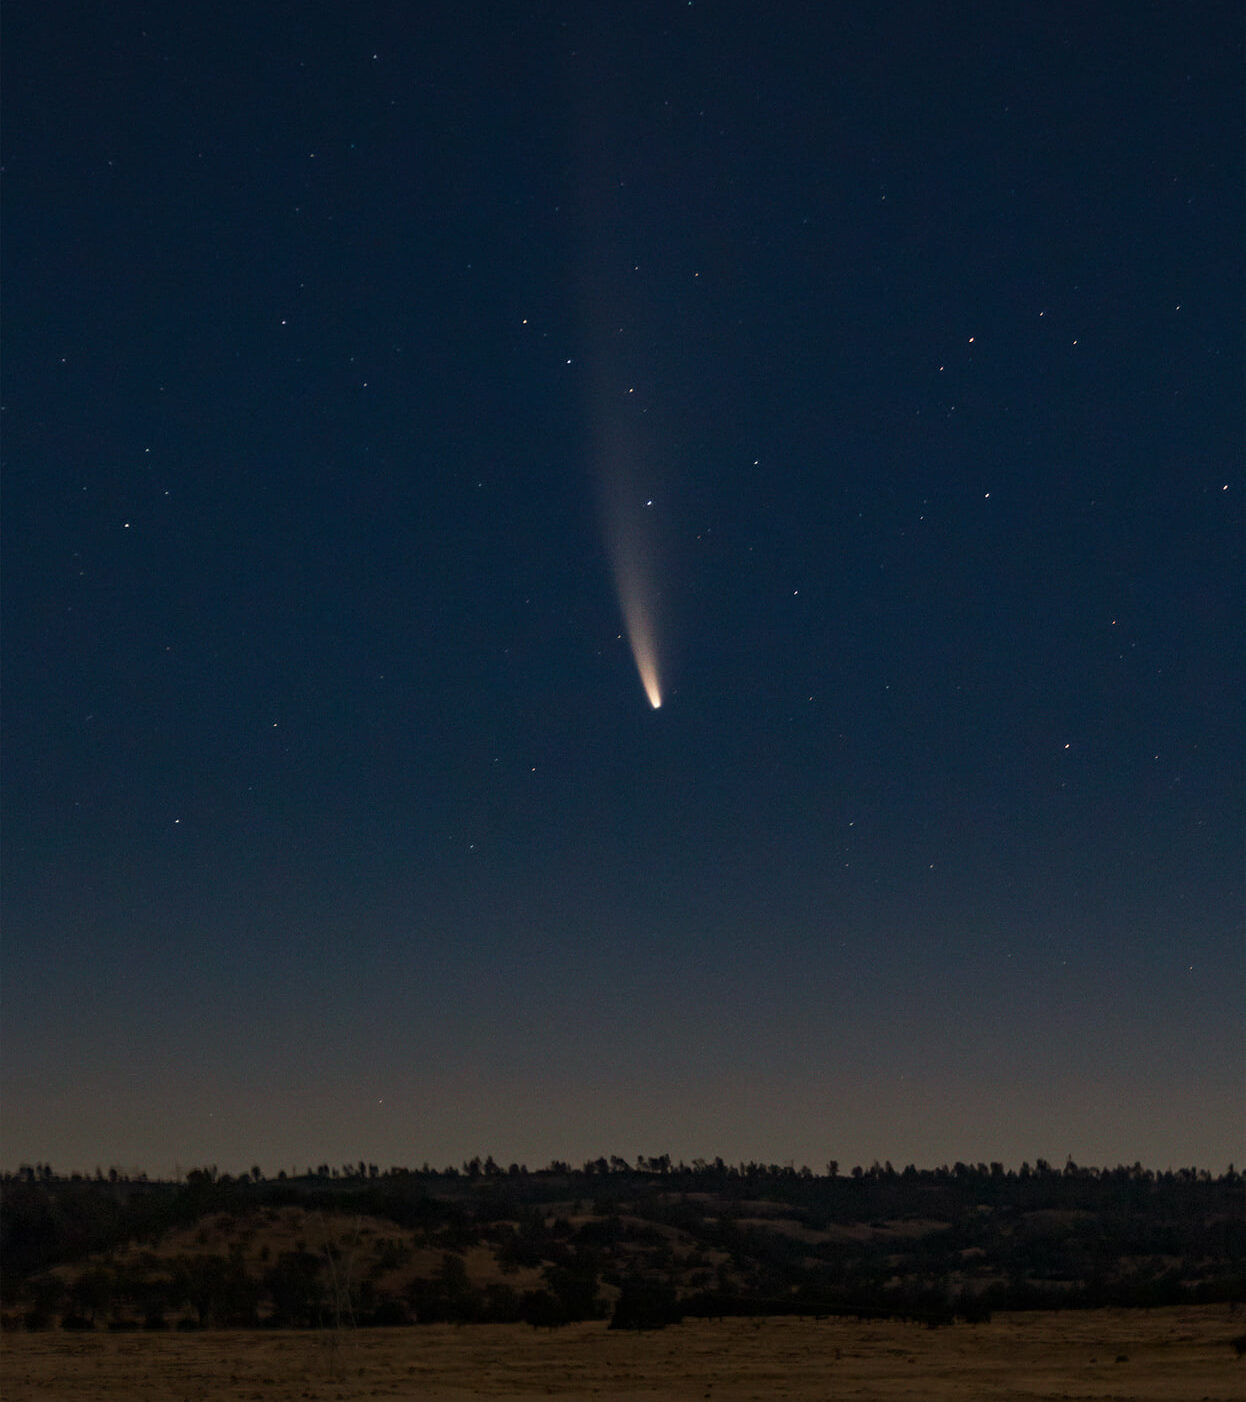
(642, 1244)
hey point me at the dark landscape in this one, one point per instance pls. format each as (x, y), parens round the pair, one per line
(641, 1244)
(617, 1281)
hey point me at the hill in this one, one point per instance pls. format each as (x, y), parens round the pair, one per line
(642, 1243)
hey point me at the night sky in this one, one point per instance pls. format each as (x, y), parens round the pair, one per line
(387, 385)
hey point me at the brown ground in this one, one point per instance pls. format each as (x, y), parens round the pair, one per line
(1173, 1354)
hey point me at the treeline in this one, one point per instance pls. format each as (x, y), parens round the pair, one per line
(711, 1172)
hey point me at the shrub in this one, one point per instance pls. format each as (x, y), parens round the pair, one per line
(646, 1304)
(542, 1310)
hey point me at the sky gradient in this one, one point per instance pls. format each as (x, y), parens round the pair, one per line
(360, 362)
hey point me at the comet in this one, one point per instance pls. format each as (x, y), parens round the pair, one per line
(638, 620)
(626, 459)
(631, 526)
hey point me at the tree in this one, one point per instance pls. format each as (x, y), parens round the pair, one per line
(47, 1295)
(542, 1310)
(294, 1287)
(91, 1294)
(646, 1304)
(218, 1290)
(575, 1288)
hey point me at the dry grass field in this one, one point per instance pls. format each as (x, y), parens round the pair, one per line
(1172, 1354)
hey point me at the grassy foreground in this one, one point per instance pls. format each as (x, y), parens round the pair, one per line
(1170, 1354)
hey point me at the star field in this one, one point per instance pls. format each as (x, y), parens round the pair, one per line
(397, 406)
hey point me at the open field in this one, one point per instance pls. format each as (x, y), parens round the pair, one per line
(1169, 1354)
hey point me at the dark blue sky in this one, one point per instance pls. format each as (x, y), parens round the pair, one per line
(337, 823)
